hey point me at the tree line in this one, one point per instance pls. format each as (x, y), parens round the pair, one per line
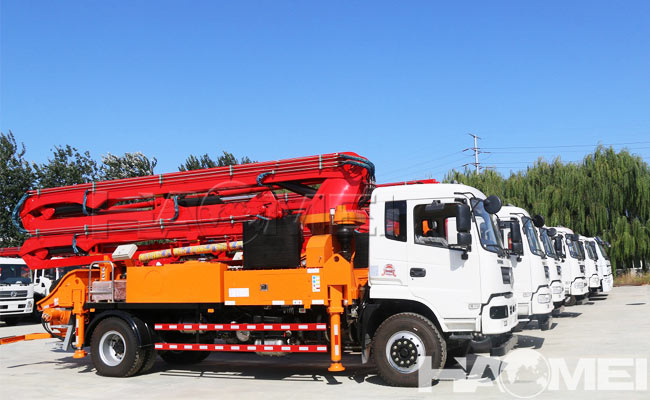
(606, 195)
(69, 166)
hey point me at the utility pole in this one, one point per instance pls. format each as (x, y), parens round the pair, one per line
(476, 151)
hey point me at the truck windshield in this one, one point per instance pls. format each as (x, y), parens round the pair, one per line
(602, 250)
(591, 250)
(573, 248)
(11, 274)
(486, 228)
(548, 245)
(531, 234)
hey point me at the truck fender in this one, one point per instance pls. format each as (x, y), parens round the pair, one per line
(385, 294)
(141, 329)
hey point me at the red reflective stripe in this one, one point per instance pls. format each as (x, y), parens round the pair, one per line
(243, 347)
(236, 327)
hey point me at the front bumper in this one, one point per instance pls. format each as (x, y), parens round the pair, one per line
(594, 282)
(557, 291)
(579, 287)
(16, 308)
(607, 283)
(499, 315)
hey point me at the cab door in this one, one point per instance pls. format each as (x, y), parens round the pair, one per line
(437, 273)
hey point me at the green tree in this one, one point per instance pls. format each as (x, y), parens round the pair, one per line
(66, 167)
(16, 177)
(127, 166)
(607, 195)
(205, 161)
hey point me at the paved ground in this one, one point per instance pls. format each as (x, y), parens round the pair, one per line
(609, 330)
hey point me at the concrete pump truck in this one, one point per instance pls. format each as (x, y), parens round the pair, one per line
(304, 255)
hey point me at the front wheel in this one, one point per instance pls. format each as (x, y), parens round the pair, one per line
(401, 345)
(545, 323)
(114, 349)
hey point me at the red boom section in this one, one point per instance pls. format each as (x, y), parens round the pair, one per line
(9, 251)
(74, 225)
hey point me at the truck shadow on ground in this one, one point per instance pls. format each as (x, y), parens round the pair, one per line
(82, 366)
(288, 368)
(569, 314)
(529, 342)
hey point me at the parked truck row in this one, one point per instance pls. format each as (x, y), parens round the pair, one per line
(306, 255)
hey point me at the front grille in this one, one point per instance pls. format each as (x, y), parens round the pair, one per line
(547, 272)
(506, 275)
(7, 294)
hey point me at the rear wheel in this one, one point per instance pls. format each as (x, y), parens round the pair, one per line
(114, 349)
(401, 345)
(150, 356)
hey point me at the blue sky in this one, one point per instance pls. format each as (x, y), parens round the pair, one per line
(401, 83)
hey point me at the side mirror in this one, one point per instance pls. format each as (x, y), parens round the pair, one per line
(518, 248)
(538, 221)
(464, 239)
(492, 204)
(557, 242)
(515, 236)
(463, 219)
(551, 232)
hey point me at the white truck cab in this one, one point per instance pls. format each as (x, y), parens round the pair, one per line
(555, 267)
(602, 264)
(575, 282)
(530, 265)
(437, 246)
(591, 267)
(16, 290)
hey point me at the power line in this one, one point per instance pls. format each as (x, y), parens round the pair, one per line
(564, 146)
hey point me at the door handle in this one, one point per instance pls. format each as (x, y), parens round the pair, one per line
(418, 272)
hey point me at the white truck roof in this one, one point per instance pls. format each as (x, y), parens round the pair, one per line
(423, 191)
(508, 210)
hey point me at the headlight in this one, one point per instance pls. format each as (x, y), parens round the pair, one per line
(578, 284)
(544, 298)
(556, 289)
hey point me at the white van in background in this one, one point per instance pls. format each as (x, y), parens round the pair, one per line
(16, 290)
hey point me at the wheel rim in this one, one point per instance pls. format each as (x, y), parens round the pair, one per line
(405, 352)
(112, 348)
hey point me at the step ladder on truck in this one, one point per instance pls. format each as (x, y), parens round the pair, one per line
(306, 255)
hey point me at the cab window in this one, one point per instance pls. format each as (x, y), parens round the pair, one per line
(395, 220)
(430, 228)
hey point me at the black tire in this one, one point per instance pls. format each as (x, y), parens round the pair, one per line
(114, 349)
(183, 357)
(571, 301)
(150, 356)
(406, 332)
(545, 323)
